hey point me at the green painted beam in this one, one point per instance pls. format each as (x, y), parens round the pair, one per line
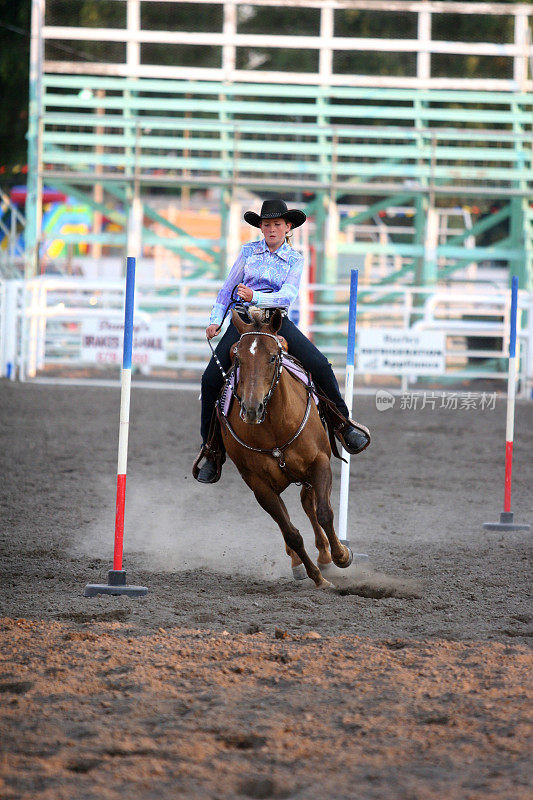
(417, 250)
(135, 103)
(309, 130)
(263, 146)
(160, 86)
(293, 167)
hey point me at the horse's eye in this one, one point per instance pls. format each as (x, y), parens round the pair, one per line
(272, 359)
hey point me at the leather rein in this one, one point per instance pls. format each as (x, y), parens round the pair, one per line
(275, 452)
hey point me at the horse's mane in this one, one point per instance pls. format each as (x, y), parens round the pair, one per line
(257, 316)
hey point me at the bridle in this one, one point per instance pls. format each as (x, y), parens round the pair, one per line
(231, 380)
(278, 369)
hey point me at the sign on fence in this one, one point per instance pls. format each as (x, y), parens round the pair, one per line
(101, 342)
(396, 351)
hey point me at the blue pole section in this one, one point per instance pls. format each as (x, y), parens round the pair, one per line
(128, 313)
(350, 352)
(514, 307)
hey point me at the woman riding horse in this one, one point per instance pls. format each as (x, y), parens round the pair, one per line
(267, 274)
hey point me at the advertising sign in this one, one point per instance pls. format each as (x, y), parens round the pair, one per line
(101, 342)
(397, 351)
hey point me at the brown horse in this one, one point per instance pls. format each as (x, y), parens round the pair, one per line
(260, 439)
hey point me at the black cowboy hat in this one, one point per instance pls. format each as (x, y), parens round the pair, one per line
(273, 209)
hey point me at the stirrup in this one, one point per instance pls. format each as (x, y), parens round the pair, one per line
(350, 423)
(212, 455)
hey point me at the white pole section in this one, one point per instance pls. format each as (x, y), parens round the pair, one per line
(348, 396)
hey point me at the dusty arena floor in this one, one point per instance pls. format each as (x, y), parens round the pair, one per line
(228, 680)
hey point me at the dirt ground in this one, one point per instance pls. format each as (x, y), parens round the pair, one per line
(229, 680)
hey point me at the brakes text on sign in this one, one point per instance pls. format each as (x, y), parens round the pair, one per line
(101, 342)
(397, 351)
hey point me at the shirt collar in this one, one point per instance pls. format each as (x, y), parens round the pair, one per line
(282, 251)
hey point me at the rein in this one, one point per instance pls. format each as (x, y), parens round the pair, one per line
(275, 452)
(232, 303)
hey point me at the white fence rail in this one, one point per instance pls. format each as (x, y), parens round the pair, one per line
(42, 325)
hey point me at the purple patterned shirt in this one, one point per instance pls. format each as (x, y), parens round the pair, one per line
(273, 277)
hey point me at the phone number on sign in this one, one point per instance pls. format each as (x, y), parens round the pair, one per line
(116, 358)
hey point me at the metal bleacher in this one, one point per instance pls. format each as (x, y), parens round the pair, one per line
(363, 142)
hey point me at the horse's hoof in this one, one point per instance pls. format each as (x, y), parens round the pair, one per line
(350, 559)
(325, 567)
(299, 573)
(325, 585)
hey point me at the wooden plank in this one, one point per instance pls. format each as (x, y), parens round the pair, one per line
(413, 6)
(295, 41)
(293, 78)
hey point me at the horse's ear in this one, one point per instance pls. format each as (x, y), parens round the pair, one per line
(275, 321)
(237, 321)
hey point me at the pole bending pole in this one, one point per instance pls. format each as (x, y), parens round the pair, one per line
(117, 576)
(506, 522)
(125, 392)
(348, 396)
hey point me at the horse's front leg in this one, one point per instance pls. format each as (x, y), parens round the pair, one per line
(308, 500)
(321, 481)
(274, 505)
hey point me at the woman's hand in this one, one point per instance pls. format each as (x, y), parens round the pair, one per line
(244, 292)
(211, 331)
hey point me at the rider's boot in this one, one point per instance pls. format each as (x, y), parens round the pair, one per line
(212, 468)
(209, 473)
(353, 436)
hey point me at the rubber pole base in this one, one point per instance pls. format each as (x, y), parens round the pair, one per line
(116, 585)
(506, 523)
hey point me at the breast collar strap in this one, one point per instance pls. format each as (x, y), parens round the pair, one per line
(275, 452)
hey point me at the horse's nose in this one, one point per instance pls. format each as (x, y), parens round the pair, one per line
(251, 414)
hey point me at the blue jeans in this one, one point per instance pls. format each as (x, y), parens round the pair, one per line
(299, 346)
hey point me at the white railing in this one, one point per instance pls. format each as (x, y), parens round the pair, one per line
(42, 320)
(226, 38)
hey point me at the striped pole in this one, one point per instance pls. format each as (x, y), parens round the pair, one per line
(506, 517)
(117, 576)
(511, 394)
(348, 396)
(125, 391)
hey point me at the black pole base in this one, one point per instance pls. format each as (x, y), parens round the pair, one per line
(506, 523)
(116, 585)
